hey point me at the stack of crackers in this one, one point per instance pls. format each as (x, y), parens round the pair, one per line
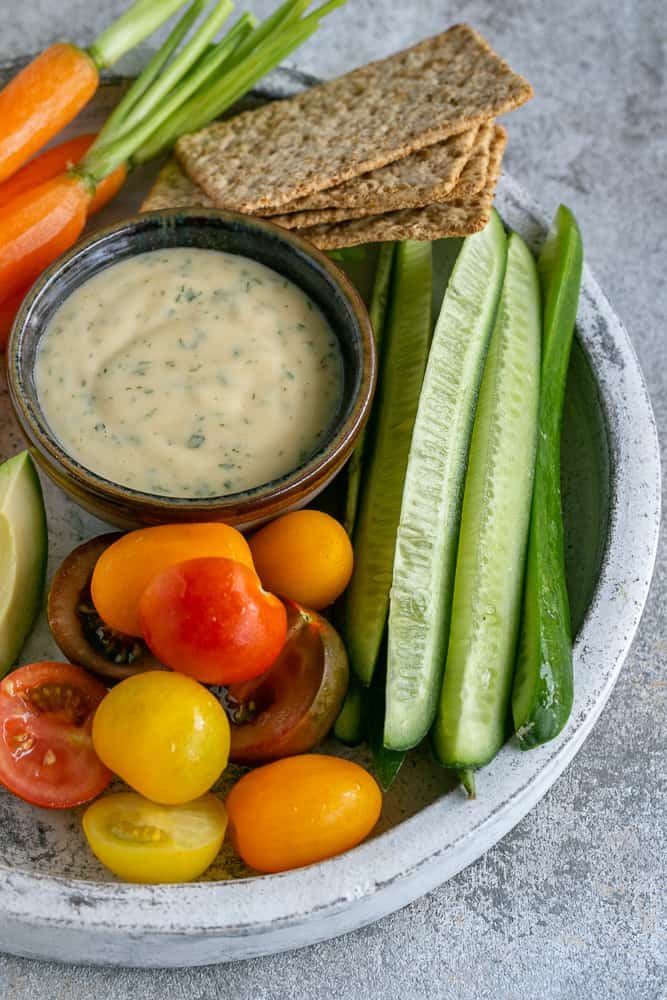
(404, 148)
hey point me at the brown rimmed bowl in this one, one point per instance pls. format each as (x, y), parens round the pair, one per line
(278, 249)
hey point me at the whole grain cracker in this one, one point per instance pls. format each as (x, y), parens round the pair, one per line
(428, 174)
(174, 189)
(472, 180)
(353, 124)
(460, 218)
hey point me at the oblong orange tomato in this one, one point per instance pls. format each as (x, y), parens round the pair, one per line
(301, 810)
(123, 572)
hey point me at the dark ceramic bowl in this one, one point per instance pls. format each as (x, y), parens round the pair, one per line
(255, 238)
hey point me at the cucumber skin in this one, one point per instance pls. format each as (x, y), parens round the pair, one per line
(351, 724)
(544, 684)
(377, 313)
(493, 538)
(40, 553)
(380, 500)
(412, 694)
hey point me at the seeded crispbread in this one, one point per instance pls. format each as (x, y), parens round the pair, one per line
(427, 174)
(354, 124)
(460, 218)
(472, 180)
(174, 189)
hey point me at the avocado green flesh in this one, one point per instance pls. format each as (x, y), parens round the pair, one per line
(23, 552)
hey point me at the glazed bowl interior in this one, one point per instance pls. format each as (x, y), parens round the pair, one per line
(258, 240)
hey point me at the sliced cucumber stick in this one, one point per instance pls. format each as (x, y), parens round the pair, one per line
(23, 551)
(425, 553)
(543, 686)
(472, 712)
(405, 351)
(377, 312)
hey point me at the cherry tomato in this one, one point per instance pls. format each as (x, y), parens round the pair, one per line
(165, 735)
(127, 567)
(46, 751)
(291, 707)
(78, 629)
(305, 556)
(211, 619)
(301, 810)
(141, 841)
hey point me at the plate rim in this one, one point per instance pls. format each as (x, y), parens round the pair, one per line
(177, 922)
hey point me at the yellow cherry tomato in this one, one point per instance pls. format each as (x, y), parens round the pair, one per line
(305, 556)
(164, 734)
(141, 841)
(301, 810)
(126, 567)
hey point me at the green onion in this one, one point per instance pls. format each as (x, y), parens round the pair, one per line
(133, 27)
(201, 82)
(220, 95)
(152, 68)
(176, 70)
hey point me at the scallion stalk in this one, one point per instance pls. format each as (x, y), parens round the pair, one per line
(203, 81)
(177, 69)
(133, 27)
(213, 100)
(152, 70)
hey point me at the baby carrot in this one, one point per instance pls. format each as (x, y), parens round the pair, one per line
(48, 164)
(55, 161)
(51, 90)
(41, 100)
(38, 226)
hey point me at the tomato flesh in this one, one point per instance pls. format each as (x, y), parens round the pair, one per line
(141, 841)
(211, 619)
(291, 707)
(46, 750)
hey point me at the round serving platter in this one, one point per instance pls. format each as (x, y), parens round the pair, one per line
(57, 902)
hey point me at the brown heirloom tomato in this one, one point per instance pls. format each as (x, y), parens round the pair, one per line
(291, 707)
(77, 627)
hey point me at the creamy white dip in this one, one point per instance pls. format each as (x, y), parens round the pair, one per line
(189, 373)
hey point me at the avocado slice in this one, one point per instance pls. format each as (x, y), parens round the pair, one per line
(23, 552)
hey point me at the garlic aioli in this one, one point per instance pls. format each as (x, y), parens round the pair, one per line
(189, 373)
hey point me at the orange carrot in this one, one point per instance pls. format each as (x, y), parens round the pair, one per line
(8, 311)
(37, 227)
(45, 166)
(107, 189)
(53, 88)
(41, 100)
(55, 161)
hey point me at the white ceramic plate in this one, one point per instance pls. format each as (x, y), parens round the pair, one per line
(56, 902)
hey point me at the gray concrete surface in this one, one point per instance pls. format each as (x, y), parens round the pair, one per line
(571, 904)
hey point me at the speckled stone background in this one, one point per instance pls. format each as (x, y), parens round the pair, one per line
(570, 905)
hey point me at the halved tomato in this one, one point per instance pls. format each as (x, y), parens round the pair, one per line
(290, 708)
(77, 627)
(46, 749)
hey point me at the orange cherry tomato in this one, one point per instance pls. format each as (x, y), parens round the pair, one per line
(301, 810)
(123, 572)
(210, 618)
(305, 556)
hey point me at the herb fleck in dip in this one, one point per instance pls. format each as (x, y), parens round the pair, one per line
(189, 373)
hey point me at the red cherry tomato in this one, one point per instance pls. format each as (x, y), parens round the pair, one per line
(46, 749)
(210, 618)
